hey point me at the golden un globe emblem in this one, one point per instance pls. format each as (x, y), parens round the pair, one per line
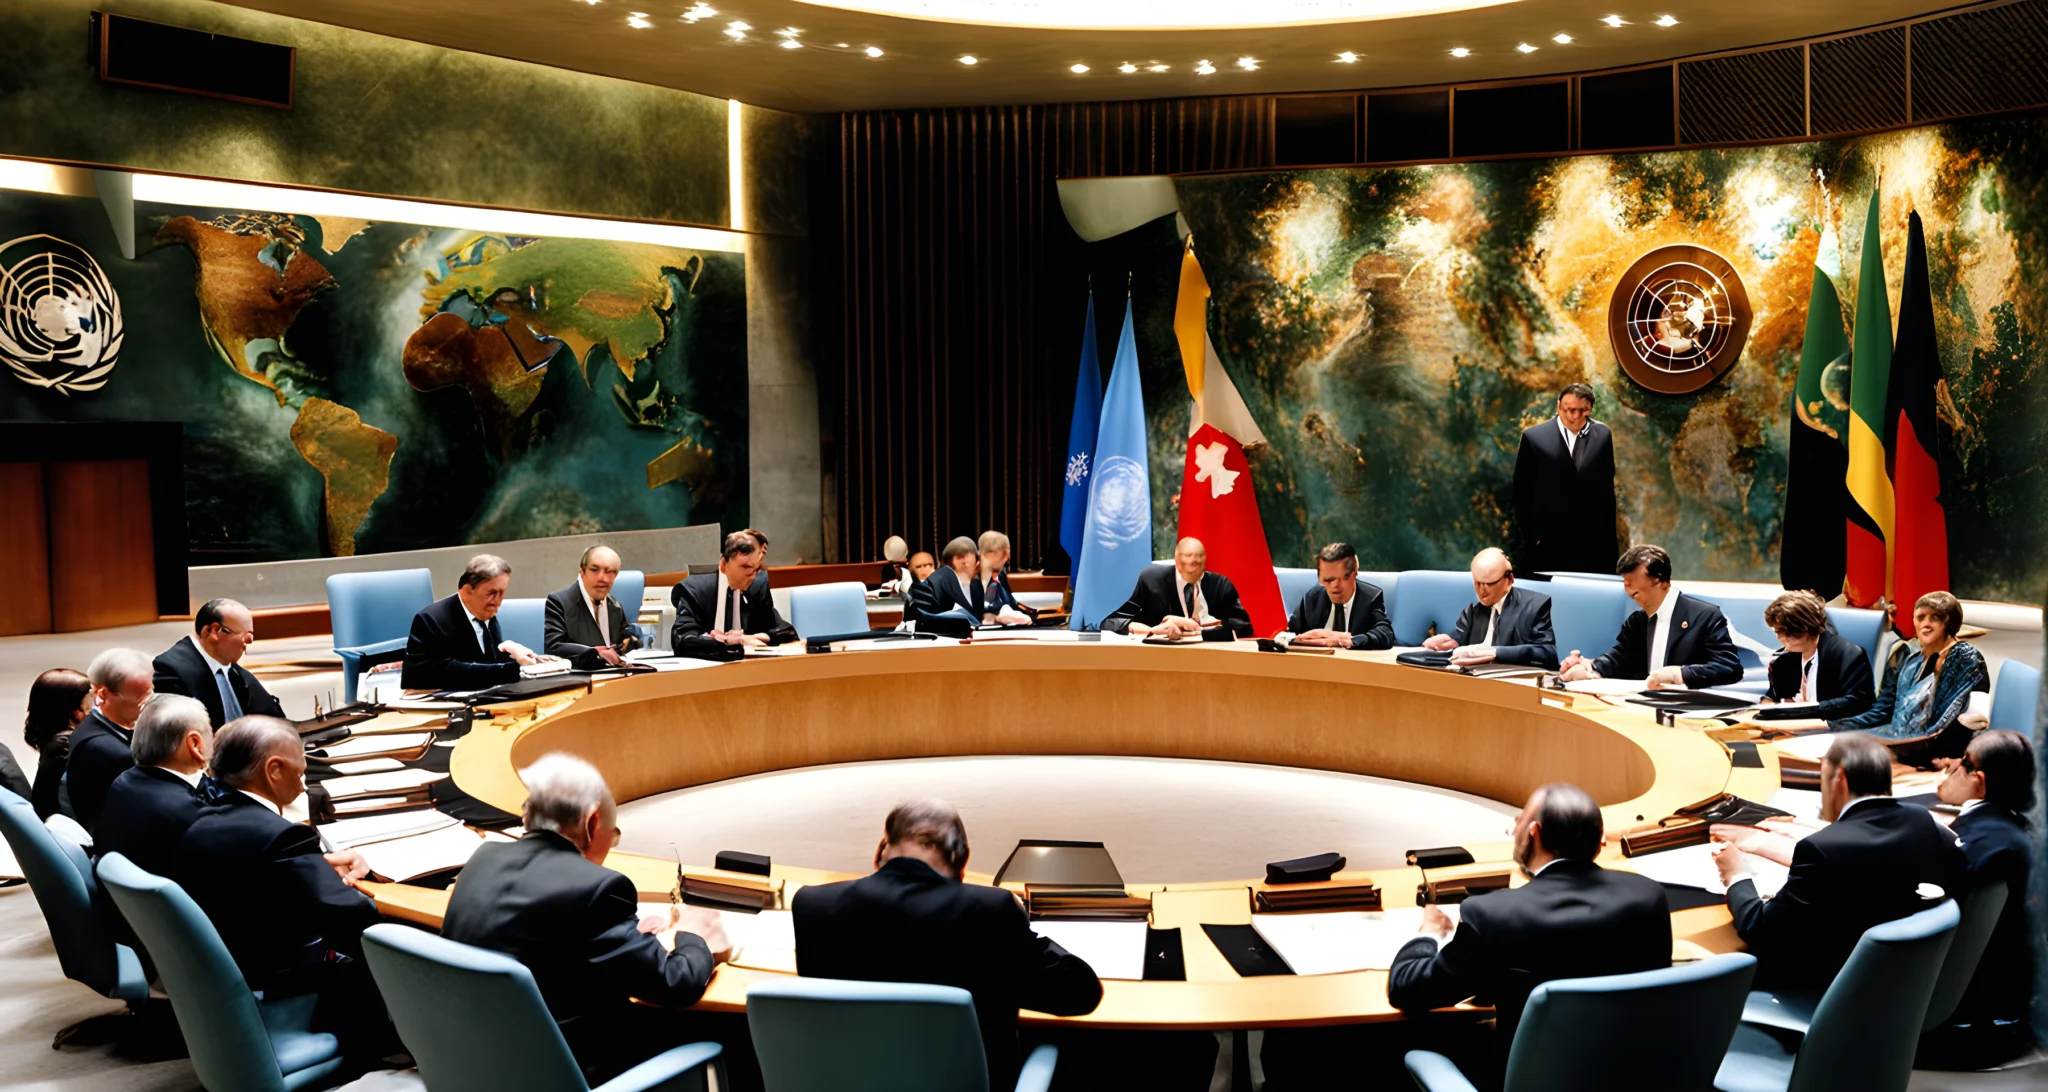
(1678, 319)
(60, 319)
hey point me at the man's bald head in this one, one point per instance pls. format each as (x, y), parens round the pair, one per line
(1191, 558)
(1493, 575)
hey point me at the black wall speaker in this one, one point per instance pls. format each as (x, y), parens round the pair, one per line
(1407, 126)
(1516, 119)
(1626, 110)
(1311, 131)
(146, 54)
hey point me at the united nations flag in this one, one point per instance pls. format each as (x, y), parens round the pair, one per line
(1116, 543)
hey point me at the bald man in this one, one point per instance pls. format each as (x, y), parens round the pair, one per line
(1182, 600)
(582, 623)
(207, 664)
(1508, 625)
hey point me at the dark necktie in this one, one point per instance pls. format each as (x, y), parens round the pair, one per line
(974, 586)
(1339, 627)
(492, 640)
(732, 611)
(1188, 594)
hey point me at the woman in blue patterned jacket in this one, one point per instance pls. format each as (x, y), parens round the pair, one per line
(1919, 711)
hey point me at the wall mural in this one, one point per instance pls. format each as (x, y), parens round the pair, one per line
(1394, 331)
(352, 387)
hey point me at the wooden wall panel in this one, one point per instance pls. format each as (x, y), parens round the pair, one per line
(24, 550)
(103, 570)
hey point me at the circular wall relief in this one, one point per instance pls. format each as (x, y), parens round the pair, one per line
(1678, 319)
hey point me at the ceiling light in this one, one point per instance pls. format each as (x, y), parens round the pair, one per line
(737, 31)
(1347, 57)
(700, 10)
(1667, 21)
(1127, 68)
(1204, 68)
(1077, 69)
(1149, 15)
(791, 43)
(1156, 68)
(969, 59)
(592, 3)
(637, 20)
(1615, 21)
(873, 51)
(1524, 47)
(1561, 38)
(789, 32)
(1248, 64)
(1461, 51)
(739, 26)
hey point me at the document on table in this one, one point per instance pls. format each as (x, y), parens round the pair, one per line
(351, 833)
(1693, 866)
(1356, 940)
(1812, 747)
(409, 858)
(1608, 687)
(368, 765)
(1114, 949)
(358, 746)
(765, 941)
(343, 788)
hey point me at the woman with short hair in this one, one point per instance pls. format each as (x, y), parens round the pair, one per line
(1918, 712)
(1818, 666)
(57, 701)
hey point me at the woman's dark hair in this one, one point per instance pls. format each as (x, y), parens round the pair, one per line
(52, 698)
(2007, 762)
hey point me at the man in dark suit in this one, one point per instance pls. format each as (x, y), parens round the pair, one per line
(548, 901)
(1564, 489)
(1181, 600)
(912, 920)
(208, 665)
(1573, 919)
(1865, 868)
(955, 584)
(999, 603)
(1673, 641)
(1341, 611)
(720, 615)
(121, 685)
(290, 916)
(584, 624)
(455, 643)
(151, 804)
(1994, 785)
(1508, 625)
(1817, 666)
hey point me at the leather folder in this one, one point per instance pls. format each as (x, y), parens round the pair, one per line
(1330, 895)
(1692, 825)
(1459, 888)
(728, 891)
(1084, 904)
(1314, 869)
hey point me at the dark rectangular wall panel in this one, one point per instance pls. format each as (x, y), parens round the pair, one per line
(1524, 118)
(1160, 136)
(1309, 131)
(1979, 62)
(1408, 126)
(24, 551)
(172, 58)
(1626, 109)
(99, 520)
(1749, 96)
(1859, 82)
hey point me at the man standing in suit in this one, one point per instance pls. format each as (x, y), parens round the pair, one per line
(1181, 601)
(208, 665)
(1818, 666)
(1573, 919)
(913, 920)
(1865, 868)
(1341, 611)
(151, 804)
(548, 901)
(720, 615)
(583, 623)
(1507, 625)
(1673, 641)
(1564, 489)
(455, 643)
(121, 686)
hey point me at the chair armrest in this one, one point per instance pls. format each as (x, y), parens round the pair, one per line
(396, 644)
(1789, 1010)
(1036, 1076)
(669, 1070)
(1435, 1073)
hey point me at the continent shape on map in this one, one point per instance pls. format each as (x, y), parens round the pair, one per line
(244, 298)
(355, 458)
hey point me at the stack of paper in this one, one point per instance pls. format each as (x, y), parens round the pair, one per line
(766, 941)
(398, 783)
(351, 833)
(409, 858)
(1114, 949)
(1693, 866)
(1337, 943)
(390, 745)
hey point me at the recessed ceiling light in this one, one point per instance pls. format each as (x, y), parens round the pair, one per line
(1561, 38)
(969, 59)
(1127, 68)
(1615, 21)
(638, 20)
(592, 3)
(873, 51)
(698, 11)
(791, 43)
(1157, 68)
(1524, 47)
(737, 31)
(1077, 69)
(1461, 51)
(1347, 57)
(1667, 21)
(1204, 68)
(739, 26)
(1248, 64)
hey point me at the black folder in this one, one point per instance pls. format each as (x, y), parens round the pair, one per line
(1247, 952)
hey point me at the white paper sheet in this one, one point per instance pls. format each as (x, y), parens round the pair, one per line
(1609, 687)
(343, 788)
(373, 745)
(350, 833)
(1693, 866)
(1115, 949)
(1334, 943)
(368, 765)
(401, 859)
(1812, 747)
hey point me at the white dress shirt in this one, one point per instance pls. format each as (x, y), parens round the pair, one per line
(1660, 631)
(263, 801)
(1330, 622)
(1571, 439)
(231, 705)
(1493, 622)
(1180, 598)
(1807, 686)
(597, 611)
(191, 779)
(477, 624)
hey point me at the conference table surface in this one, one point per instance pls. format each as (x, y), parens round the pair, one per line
(1351, 712)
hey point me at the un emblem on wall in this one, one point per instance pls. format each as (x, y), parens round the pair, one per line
(1678, 319)
(60, 320)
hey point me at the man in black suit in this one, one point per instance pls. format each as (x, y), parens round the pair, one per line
(152, 803)
(913, 920)
(290, 916)
(999, 603)
(1508, 625)
(1573, 919)
(584, 624)
(455, 643)
(1673, 641)
(720, 615)
(208, 665)
(1564, 489)
(955, 584)
(1994, 785)
(1181, 600)
(1865, 868)
(1817, 666)
(1341, 611)
(548, 901)
(121, 686)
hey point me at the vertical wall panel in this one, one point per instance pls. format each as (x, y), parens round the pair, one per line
(101, 540)
(24, 551)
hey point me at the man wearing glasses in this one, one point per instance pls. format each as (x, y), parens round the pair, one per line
(1507, 625)
(207, 665)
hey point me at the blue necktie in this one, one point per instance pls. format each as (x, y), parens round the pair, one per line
(230, 709)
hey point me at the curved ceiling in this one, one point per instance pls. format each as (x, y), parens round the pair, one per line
(793, 55)
(1143, 15)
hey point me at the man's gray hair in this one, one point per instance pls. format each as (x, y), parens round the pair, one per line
(117, 667)
(933, 824)
(244, 744)
(165, 722)
(482, 569)
(561, 791)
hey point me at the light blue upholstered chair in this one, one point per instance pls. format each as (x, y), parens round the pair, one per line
(629, 591)
(1389, 584)
(1754, 641)
(2016, 697)
(238, 1042)
(831, 1035)
(1863, 628)
(473, 1020)
(371, 614)
(1665, 1029)
(524, 621)
(825, 610)
(1429, 598)
(64, 887)
(1586, 614)
(1294, 583)
(1867, 1025)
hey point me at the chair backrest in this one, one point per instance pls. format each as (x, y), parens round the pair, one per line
(629, 591)
(524, 621)
(2016, 698)
(1294, 583)
(1389, 584)
(472, 1019)
(1754, 640)
(365, 608)
(85, 948)
(1980, 910)
(1867, 1026)
(217, 1014)
(1862, 628)
(1609, 1032)
(1586, 614)
(830, 1035)
(819, 610)
(1430, 598)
